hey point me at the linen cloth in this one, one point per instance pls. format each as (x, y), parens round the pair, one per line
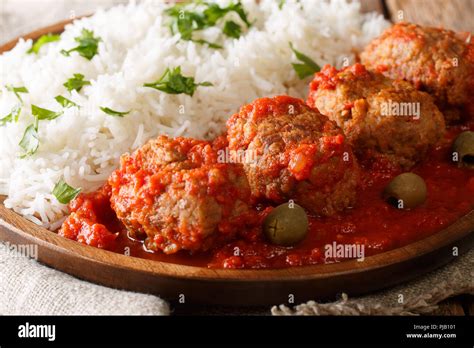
(29, 288)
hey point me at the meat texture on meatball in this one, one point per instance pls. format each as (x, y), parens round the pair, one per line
(379, 116)
(438, 61)
(175, 194)
(297, 154)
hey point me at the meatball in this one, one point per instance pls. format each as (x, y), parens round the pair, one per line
(176, 195)
(438, 61)
(296, 154)
(380, 117)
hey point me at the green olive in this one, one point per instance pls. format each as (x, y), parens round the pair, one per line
(405, 191)
(286, 225)
(463, 146)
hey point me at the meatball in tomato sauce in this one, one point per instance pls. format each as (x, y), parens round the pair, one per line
(176, 195)
(296, 154)
(379, 116)
(438, 61)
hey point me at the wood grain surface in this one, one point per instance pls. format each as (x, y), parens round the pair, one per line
(451, 14)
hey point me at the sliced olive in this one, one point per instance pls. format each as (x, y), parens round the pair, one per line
(286, 225)
(405, 191)
(463, 146)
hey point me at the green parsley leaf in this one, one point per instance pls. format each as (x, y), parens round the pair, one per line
(76, 83)
(186, 21)
(44, 114)
(88, 45)
(30, 141)
(15, 113)
(239, 9)
(210, 44)
(111, 112)
(173, 82)
(308, 66)
(42, 41)
(17, 91)
(213, 13)
(6, 119)
(12, 116)
(281, 3)
(302, 70)
(65, 193)
(232, 29)
(64, 102)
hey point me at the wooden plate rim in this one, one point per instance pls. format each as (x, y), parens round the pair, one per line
(41, 236)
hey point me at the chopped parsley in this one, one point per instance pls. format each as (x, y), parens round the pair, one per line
(42, 41)
(17, 91)
(30, 141)
(76, 83)
(15, 113)
(111, 112)
(205, 42)
(6, 119)
(186, 21)
(307, 66)
(64, 102)
(65, 193)
(232, 29)
(88, 45)
(214, 13)
(44, 114)
(173, 82)
(12, 116)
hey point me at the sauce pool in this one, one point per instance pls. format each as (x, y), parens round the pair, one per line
(371, 223)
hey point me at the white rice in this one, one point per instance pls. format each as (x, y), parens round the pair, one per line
(84, 147)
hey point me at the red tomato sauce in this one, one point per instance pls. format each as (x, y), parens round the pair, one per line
(371, 223)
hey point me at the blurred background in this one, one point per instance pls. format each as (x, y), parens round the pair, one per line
(18, 17)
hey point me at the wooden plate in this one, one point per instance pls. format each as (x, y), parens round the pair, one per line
(234, 287)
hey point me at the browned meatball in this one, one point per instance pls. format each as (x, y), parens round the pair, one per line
(297, 154)
(176, 194)
(438, 61)
(378, 115)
